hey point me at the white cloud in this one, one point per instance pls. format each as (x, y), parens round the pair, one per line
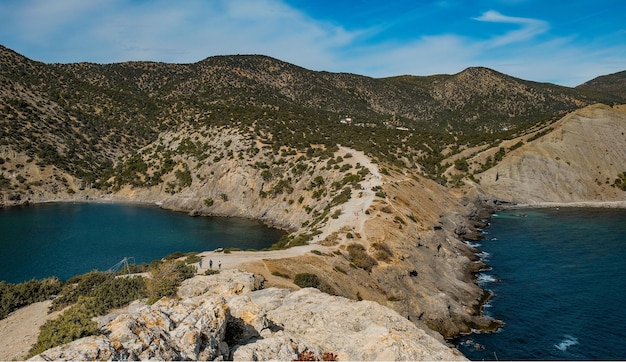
(529, 28)
(173, 31)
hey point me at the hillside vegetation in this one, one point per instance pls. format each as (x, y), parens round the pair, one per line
(82, 118)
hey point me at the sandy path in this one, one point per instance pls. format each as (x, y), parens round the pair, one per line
(353, 212)
(19, 330)
(353, 215)
(234, 259)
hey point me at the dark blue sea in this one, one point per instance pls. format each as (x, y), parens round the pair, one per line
(559, 282)
(67, 239)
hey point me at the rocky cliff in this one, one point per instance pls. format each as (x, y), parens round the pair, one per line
(227, 316)
(576, 161)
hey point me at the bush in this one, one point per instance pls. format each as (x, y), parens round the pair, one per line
(166, 277)
(99, 299)
(461, 164)
(16, 296)
(192, 259)
(73, 324)
(383, 252)
(306, 280)
(360, 258)
(282, 275)
(75, 287)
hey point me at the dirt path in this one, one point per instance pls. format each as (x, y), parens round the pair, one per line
(353, 216)
(353, 212)
(19, 331)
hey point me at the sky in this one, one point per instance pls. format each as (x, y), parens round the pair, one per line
(556, 41)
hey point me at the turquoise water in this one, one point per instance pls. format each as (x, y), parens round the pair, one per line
(559, 283)
(67, 239)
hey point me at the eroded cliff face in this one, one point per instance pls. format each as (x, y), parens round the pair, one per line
(421, 267)
(227, 316)
(577, 162)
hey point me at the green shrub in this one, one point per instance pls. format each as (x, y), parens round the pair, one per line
(306, 280)
(15, 296)
(620, 181)
(211, 271)
(192, 259)
(99, 299)
(282, 275)
(383, 252)
(461, 164)
(166, 277)
(316, 252)
(360, 258)
(73, 324)
(75, 287)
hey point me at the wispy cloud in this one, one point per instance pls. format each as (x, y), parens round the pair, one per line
(529, 28)
(444, 37)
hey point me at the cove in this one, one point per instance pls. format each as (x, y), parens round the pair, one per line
(67, 239)
(558, 278)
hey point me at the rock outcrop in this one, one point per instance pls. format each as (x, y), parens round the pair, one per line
(577, 162)
(225, 316)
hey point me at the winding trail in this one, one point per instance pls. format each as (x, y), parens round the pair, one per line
(352, 218)
(353, 212)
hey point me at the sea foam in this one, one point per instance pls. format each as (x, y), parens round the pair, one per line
(486, 278)
(567, 342)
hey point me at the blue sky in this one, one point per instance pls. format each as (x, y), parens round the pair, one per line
(562, 42)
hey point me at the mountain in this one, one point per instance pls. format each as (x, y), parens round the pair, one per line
(86, 116)
(614, 84)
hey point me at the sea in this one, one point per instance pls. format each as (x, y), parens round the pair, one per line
(558, 278)
(67, 239)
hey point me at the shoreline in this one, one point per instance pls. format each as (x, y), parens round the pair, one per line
(575, 204)
(488, 295)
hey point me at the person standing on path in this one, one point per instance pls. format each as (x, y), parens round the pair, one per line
(219, 265)
(200, 263)
(211, 264)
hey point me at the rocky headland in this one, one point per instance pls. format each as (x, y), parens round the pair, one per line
(227, 316)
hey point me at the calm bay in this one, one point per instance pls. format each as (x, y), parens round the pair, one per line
(66, 239)
(559, 280)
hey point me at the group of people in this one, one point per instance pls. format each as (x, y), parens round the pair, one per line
(219, 264)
